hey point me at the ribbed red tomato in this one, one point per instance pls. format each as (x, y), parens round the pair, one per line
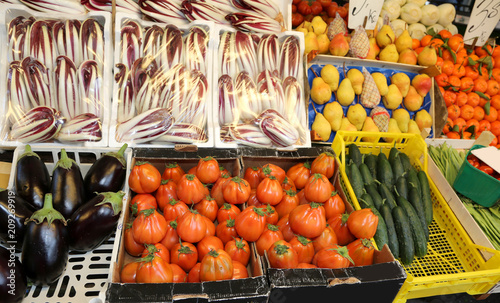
(158, 250)
(324, 164)
(362, 223)
(190, 190)
(239, 270)
(154, 269)
(236, 191)
(270, 235)
(144, 178)
(179, 275)
(289, 201)
(207, 207)
(252, 175)
(184, 254)
(269, 191)
(227, 211)
(250, 223)
(332, 257)
(194, 274)
(166, 192)
(318, 188)
(173, 172)
(208, 170)
(304, 248)
(191, 227)
(216, 191)
(361, 252)
(149, 227)
(129, 272)
(131, 246)
(216, 265)
(239, 250)
(226, 231)
(282, 255)
(207, 244)
(141, 202)
(308, 220)
(171, 237)
(327, 238)
(272, 170)
(339, 225)
(174, 209)
(299, 173)
(334, 206)
(272, 216)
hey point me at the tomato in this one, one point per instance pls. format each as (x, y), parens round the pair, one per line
(343, 12)
(190, 190)
(154, 269)
(149, 227)
(296, 2)
(239, 250)
(324, 3)
(271, 214)
(207, 244)
(223, 171)
(172, 172)
(302, 197)
(318, 188)
(308, 220)
(129, 272)
(306, 265)
(179, 275)
(131, 246)
(334, 206)
(144, 178)
(191, 227)
(236, 191)
(174, 209)
(339, 226)
(158, 250)
(332, 257)
(192, 170)
(227, 211)
(299, 173)
(250, 223)
(327, 238)
(297, 19)
(166, 192)
(171, 237)
(184, 254)
(474, 163)
(141, 202)
(324, 164)
(208, 170)
(194, 274)
(332, 10)
(252, 175)
(207, 207)
(216, 191)
(252, 200)
(272, 170)
(269, 191)
(486, 169)
(216, 265)
(303, 247)
(239, 271)
(286, 230)
(282, 255)
(289, 201)
(288, 184)
(210, 227)
(270, 235)
(361, 252)
(362, 223)
(226, 231)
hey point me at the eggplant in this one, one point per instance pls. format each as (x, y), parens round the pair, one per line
(13, 281)
(67, 186)
(14, 210)
(32, 179)
(45, 249)
(107, 174)
(95, 221)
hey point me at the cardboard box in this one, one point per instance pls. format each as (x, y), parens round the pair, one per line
(252, 289)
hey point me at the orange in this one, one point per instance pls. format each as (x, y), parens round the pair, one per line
(461, 99)
(483, 101)
(462, 57)
(454, 82)
(448, 126)
(425, 40)
(460, 123)
(446, 55)
(439, 62)
(480, 85)
(445, 34)
(478, 113)
(495, 102)
(415, 43)
(472, 122)
(450, 97)
(492, 116)
(453, 112)
(437, 43)
(466, 84)
(494, 142)
(459, 70)
(484, 125)
(466, 135)
(453, 135)
(483, 50)
(495, 73)
(497, 61)
(484, 73)
(456, 43)
(442, 80)
(471, 72)
(495, 128)
(473, 99)
(493, 87)
(418, 50)
(448, 67)
(467, 112)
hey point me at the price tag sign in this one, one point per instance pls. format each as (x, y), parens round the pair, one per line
(483, 19)
(361, 10)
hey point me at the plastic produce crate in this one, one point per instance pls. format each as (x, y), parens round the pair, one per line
(453, 264)
(86, 273)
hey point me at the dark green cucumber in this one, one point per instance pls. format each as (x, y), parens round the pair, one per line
(397, 167)
(417, 231)
(366, 201)
(426, 196)
(393, 153)
(371, 161)
(355, 154)
(384, 171)
(365, 174)
(356, 180)
(387, 195)
(414, 199)
(405, 238)
(372, 190)
(392, 242)
(381, 236)
(405, 161)
(401, 187)
(412, 179)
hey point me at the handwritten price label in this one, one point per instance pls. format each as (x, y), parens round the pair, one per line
(359, 10)
(485, 15)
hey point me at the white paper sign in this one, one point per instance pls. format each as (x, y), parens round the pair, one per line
(361, 9)
(483, 19)
(489, 155)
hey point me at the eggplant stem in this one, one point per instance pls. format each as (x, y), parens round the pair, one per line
(29, 152)
(65, 162)
(115, 199)
(47, 212)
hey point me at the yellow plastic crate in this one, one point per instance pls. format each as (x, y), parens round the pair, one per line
(453, 264)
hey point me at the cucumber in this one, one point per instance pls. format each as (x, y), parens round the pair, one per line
(384, 171)
(355, 154)
(418, 234)
(401, 187)
(412, 179)
(405, 161)
(371, 161)
(366, 201)
(414, 199)
(397, 167)
(426, 196)
(372, 190)
(393, 153)
(356, 180)
(386, 195)
(365, 174)
(392, 242)
(381, 236)
(405, 238)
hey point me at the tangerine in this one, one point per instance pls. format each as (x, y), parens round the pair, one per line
(425, 40)
(484, 125)
(462, 57)
(471, 72)
(447, 67)
(459, 70)
(460, 123)
(450, 97)
(480, 85)
(483, 50)
(493, 87)
(448, 126)
(453, 135)
(495, 102)
(466, 84)
(445, 34)
(495, 128)
(453, 112)
(442, 80)
(455, 82)
(494, 142)
(483, 101)
(456, 43)
(470, 123)
(492, 116)
(415, 43)
(473, 99)
(467, 112)
(461, 99)
(478, 113)
(495, 73)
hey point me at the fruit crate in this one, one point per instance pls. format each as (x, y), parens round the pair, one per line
(87, 273)
(453, 264)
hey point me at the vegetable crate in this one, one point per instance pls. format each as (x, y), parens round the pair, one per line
(453, 264)
(86, 273)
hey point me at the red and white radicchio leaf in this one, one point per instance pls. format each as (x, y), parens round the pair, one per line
(171, 48)
(40, 124)
(196, 45)
(290, 57)
(279, 130)
(38, 82)
(67, 39)
(184, 133)
(152, 42)
(271, 92)
(42, 43)
(247, 97)
(82, 128)
(145, 127)
(249, 21)
(17, 93)
(143, 71)
(92, 40)
(18, 36)
(66, 87)
(227, 54)
(163, 11)
(90, 82)
(56, 6)
(268, 54)
(203, 10)
(249, 134)
(228, 107)
(247, 57)
(126, 98)
(131, 43)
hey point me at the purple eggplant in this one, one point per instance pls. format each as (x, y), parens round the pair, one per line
(95, 221)
(107, 173)
(14, 210)
(13, 280)
(45, 247)
(67, 186)
(32, 179)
